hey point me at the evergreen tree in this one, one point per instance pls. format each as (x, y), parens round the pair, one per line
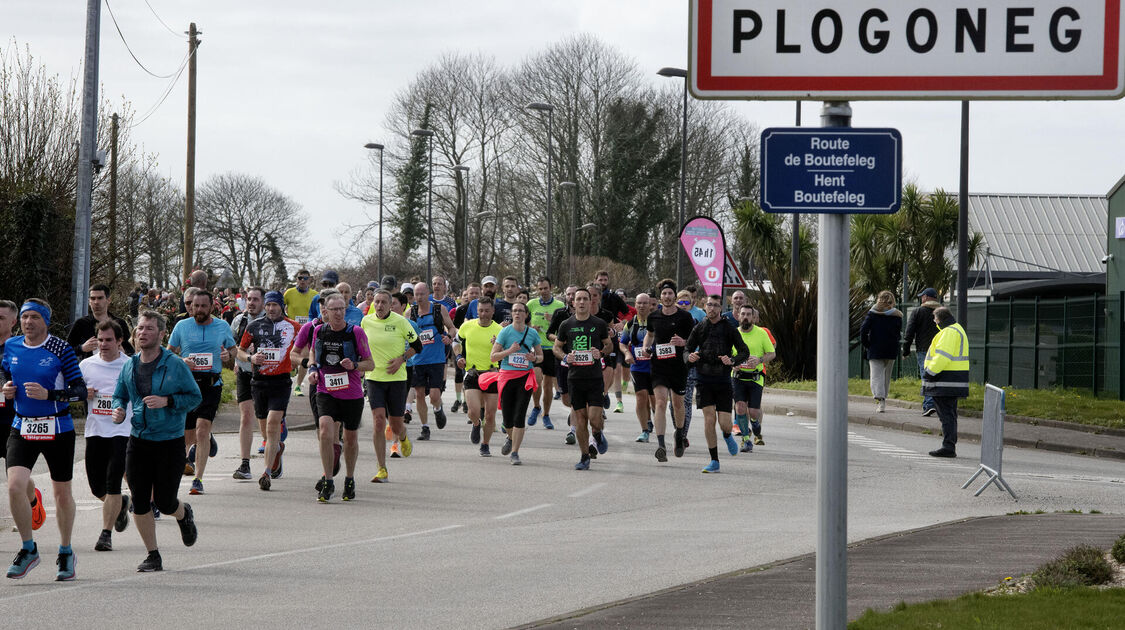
(408, 219)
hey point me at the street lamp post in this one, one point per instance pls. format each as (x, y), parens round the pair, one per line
(573, 224)
(428, 134)
(550, 109)
(680, 73)
(464, 170)
(378, 147)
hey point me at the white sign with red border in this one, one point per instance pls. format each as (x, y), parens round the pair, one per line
(889, 49)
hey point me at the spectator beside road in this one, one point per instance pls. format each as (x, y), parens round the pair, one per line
(946, 376)
(920, 331)
(879, 335)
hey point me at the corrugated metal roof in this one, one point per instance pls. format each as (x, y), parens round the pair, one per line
(1066, 232)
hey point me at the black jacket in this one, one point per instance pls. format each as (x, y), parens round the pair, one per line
(714, 340)
(921, 329)
(879, 333)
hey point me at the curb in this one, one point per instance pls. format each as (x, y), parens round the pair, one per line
(970, 436)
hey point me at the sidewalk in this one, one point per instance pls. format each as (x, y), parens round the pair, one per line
(1046, 434)
(936, 562)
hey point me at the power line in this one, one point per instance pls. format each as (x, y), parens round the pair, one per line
(131, 54)
(167, 91)
(168, 28)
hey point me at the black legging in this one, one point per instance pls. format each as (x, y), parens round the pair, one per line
(513, 402)
(153, 469)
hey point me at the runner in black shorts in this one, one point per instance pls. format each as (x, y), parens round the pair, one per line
(582, 340)
(640, 367)
(668, 330)
(474, 349)
(709, 347)
(340, 356)
(8, 315)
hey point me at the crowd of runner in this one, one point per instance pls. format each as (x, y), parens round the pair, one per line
(151, 390)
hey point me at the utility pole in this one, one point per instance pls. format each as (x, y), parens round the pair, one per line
(189, 180)
(113, 199)
(80, 269)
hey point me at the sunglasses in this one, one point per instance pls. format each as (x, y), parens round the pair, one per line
(302, 277)
(684, 302)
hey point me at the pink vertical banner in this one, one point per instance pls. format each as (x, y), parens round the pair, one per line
(705, 246)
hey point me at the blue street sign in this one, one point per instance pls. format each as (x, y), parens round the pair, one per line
(831, 170)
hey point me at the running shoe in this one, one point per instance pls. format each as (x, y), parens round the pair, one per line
(262, 448)
(570, 439)
(747, 445)
(191, 454)
(713, 467)
(602, 443)
(196, 486)
(151, 563)
(319, 483)
(105, 541)
(439, 418)
(264, 481)
(605, 401)
(732, 444)
(38, 512)
(643, 437)
(678, 450)
(929, 412)
(155, 512)
(534, 417)
(507, 448)
(381, 476)
(687, 444)
(547, 423)
(297, 391)
(349, 490)
(503, 429)
(67, 562)
(326, 490)
(456, 406)
(758, 441)
(734, 430)
(425, 435)
(620, 408)
(650, 427)
(515, 457)
(25, 561)
(407, 445)
(484, 451)
(243, 472)
(275, 470)
(592, 451)
(214, 447)
(661, 454)
(122, 521)
(558, 395)
(474, 435)
(582, 465)
(387, 433)
(395, 450)
(189, 470)
(188, 531)
(407, 417)
(284, 429)
(337, 449)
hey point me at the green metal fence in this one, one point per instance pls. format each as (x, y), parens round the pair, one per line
(1039, 344)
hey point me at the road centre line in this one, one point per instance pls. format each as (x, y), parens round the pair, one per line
(587, 490)
(523, 511)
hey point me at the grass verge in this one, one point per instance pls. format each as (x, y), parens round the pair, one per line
(1041, 609)
(1069, 405)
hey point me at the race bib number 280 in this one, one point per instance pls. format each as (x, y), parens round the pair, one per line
(103, 405)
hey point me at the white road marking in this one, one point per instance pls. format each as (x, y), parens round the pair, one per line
(523, 511)
(587, 490)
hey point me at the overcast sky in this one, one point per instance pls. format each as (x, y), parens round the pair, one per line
(290, 90)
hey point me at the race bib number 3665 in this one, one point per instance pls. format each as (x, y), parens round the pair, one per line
(201, 361)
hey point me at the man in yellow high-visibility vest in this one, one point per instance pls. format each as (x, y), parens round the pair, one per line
(946, 376)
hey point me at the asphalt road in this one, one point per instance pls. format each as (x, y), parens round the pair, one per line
(456, 540)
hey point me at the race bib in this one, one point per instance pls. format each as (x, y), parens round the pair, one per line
(336, 382)
(302, 320)
(584, 357)
(519, 361)
(102, 405)
(426, 336)
(201, 361)
(272, 355)
(665, 351)
(39, 429)
(747, 367)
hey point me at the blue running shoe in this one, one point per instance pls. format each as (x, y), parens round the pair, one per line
(747, 445)
(643, 437)
(582, 465)
(67, 563)
(534, 417)
(558, 394)
(602, 443)
(262, 448)
(284, 429)
(24, 562)
(713, 467)
(547, 423)
(732, 444)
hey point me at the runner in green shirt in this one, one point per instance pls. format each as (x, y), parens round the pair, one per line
(542, 309)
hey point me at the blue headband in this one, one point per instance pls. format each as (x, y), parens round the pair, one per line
(274, 296)
(43, 311)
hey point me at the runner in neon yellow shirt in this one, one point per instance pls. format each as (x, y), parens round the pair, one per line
(298, 300)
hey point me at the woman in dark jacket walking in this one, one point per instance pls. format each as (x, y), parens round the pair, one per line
(879, 335)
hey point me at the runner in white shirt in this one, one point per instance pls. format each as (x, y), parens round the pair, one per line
(106, 441)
